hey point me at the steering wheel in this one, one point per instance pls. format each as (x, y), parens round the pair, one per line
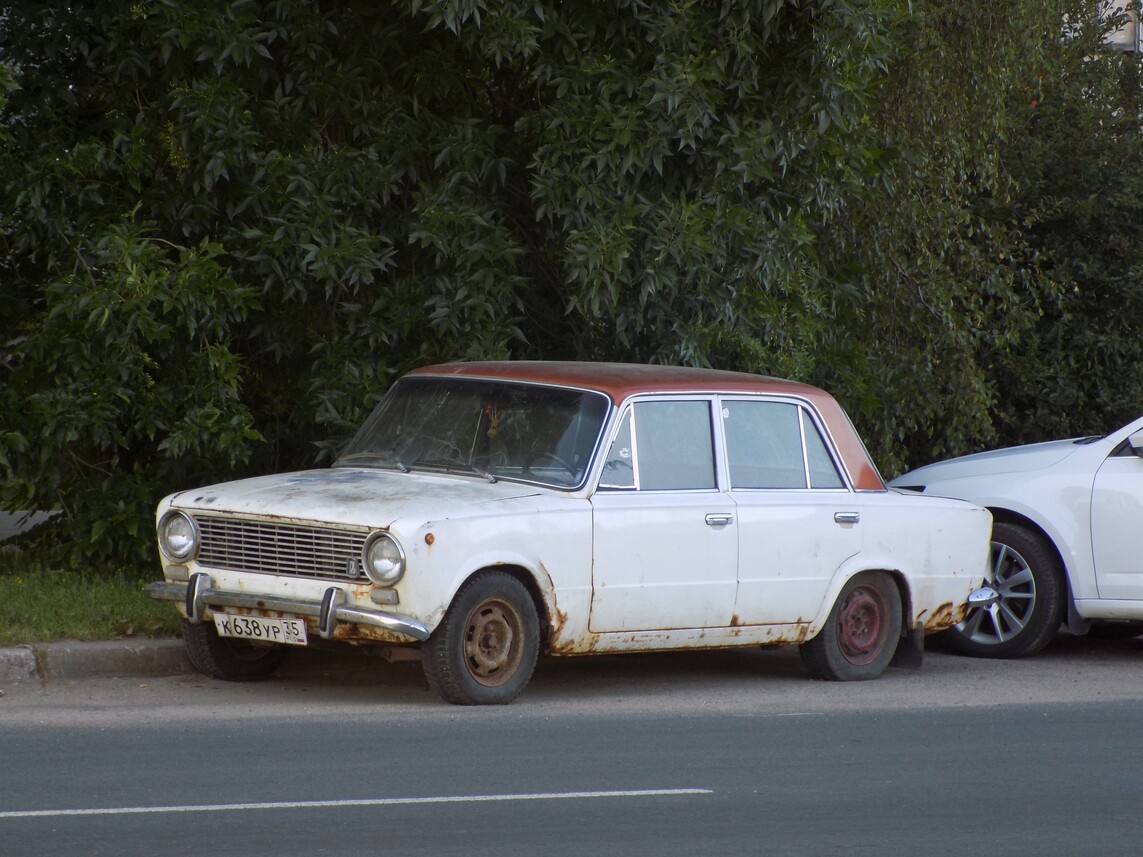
(551, 457)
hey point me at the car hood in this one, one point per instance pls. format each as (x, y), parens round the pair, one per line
(1014, 459)
(351, 496)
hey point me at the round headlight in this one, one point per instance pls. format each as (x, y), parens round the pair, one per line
(178, 536)
(384, 560)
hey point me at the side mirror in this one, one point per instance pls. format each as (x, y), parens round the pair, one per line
(1135, 441)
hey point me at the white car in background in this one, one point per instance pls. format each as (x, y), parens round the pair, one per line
(489, 512)
(1067, 543)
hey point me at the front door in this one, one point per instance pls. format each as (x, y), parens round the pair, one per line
(665, 536)
(1116, 534)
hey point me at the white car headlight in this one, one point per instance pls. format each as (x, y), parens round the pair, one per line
(384, 559)
(178, 536)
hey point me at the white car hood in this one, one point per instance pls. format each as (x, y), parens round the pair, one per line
(1015, 459)
(351, 496)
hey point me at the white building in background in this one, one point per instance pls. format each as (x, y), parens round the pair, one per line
(1127, 37)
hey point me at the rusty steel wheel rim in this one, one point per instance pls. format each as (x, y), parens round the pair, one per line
(861, 625)
(493, 642)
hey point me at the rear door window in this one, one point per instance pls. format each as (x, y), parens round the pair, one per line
(776, 445)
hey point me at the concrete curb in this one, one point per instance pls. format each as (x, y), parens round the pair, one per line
(70, 659)
(17, 664)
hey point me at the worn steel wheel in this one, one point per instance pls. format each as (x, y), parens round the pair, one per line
(861, 634)
(227, 659)
(1026, 573)
(485, 650)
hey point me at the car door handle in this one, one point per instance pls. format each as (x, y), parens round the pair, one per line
(719, 519)
(847, 517)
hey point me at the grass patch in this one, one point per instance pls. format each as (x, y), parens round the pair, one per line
(39, 604)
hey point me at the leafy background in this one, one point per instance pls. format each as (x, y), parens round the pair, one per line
(226, 228)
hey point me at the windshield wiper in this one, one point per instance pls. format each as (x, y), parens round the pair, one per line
(452, 463)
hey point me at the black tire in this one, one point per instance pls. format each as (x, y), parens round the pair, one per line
(1027, 574)
(861, 635)
(227, 659)
(485, 649)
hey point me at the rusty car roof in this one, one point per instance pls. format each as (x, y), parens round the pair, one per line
(620, 380)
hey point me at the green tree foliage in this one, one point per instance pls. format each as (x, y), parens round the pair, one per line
(1077, 166)
(998, 271)
(944, 286)
(226, 227)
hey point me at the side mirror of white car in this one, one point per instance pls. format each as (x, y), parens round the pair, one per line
(1135, 441)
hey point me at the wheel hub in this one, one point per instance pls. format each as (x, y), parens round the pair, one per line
(491, 644)
(861, 625)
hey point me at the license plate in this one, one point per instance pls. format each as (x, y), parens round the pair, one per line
(290, 631)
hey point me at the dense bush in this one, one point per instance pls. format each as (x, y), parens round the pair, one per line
(224, 228)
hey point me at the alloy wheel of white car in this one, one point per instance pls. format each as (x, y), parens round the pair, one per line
(1026, 573)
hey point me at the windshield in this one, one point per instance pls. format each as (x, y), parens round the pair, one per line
(494, 429)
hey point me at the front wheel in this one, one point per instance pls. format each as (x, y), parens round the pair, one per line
(1026, 573)
(228, 659)
(485, 649)
(861, 634)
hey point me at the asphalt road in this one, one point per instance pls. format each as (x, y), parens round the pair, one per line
(689, 754)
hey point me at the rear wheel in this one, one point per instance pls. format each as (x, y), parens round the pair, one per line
(227, 659)
(861, 634)
(1026, 573)
(485, 649)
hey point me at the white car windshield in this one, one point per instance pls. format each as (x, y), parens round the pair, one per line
(489, 428)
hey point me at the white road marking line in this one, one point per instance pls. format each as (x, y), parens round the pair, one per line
(318, 804)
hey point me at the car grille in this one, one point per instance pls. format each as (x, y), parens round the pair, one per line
(268, 547)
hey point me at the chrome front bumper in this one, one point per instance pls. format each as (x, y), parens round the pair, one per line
(198, 594)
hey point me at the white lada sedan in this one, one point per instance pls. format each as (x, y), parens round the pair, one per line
(489, 512)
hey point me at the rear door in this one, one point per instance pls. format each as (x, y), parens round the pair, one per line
(798, 520)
